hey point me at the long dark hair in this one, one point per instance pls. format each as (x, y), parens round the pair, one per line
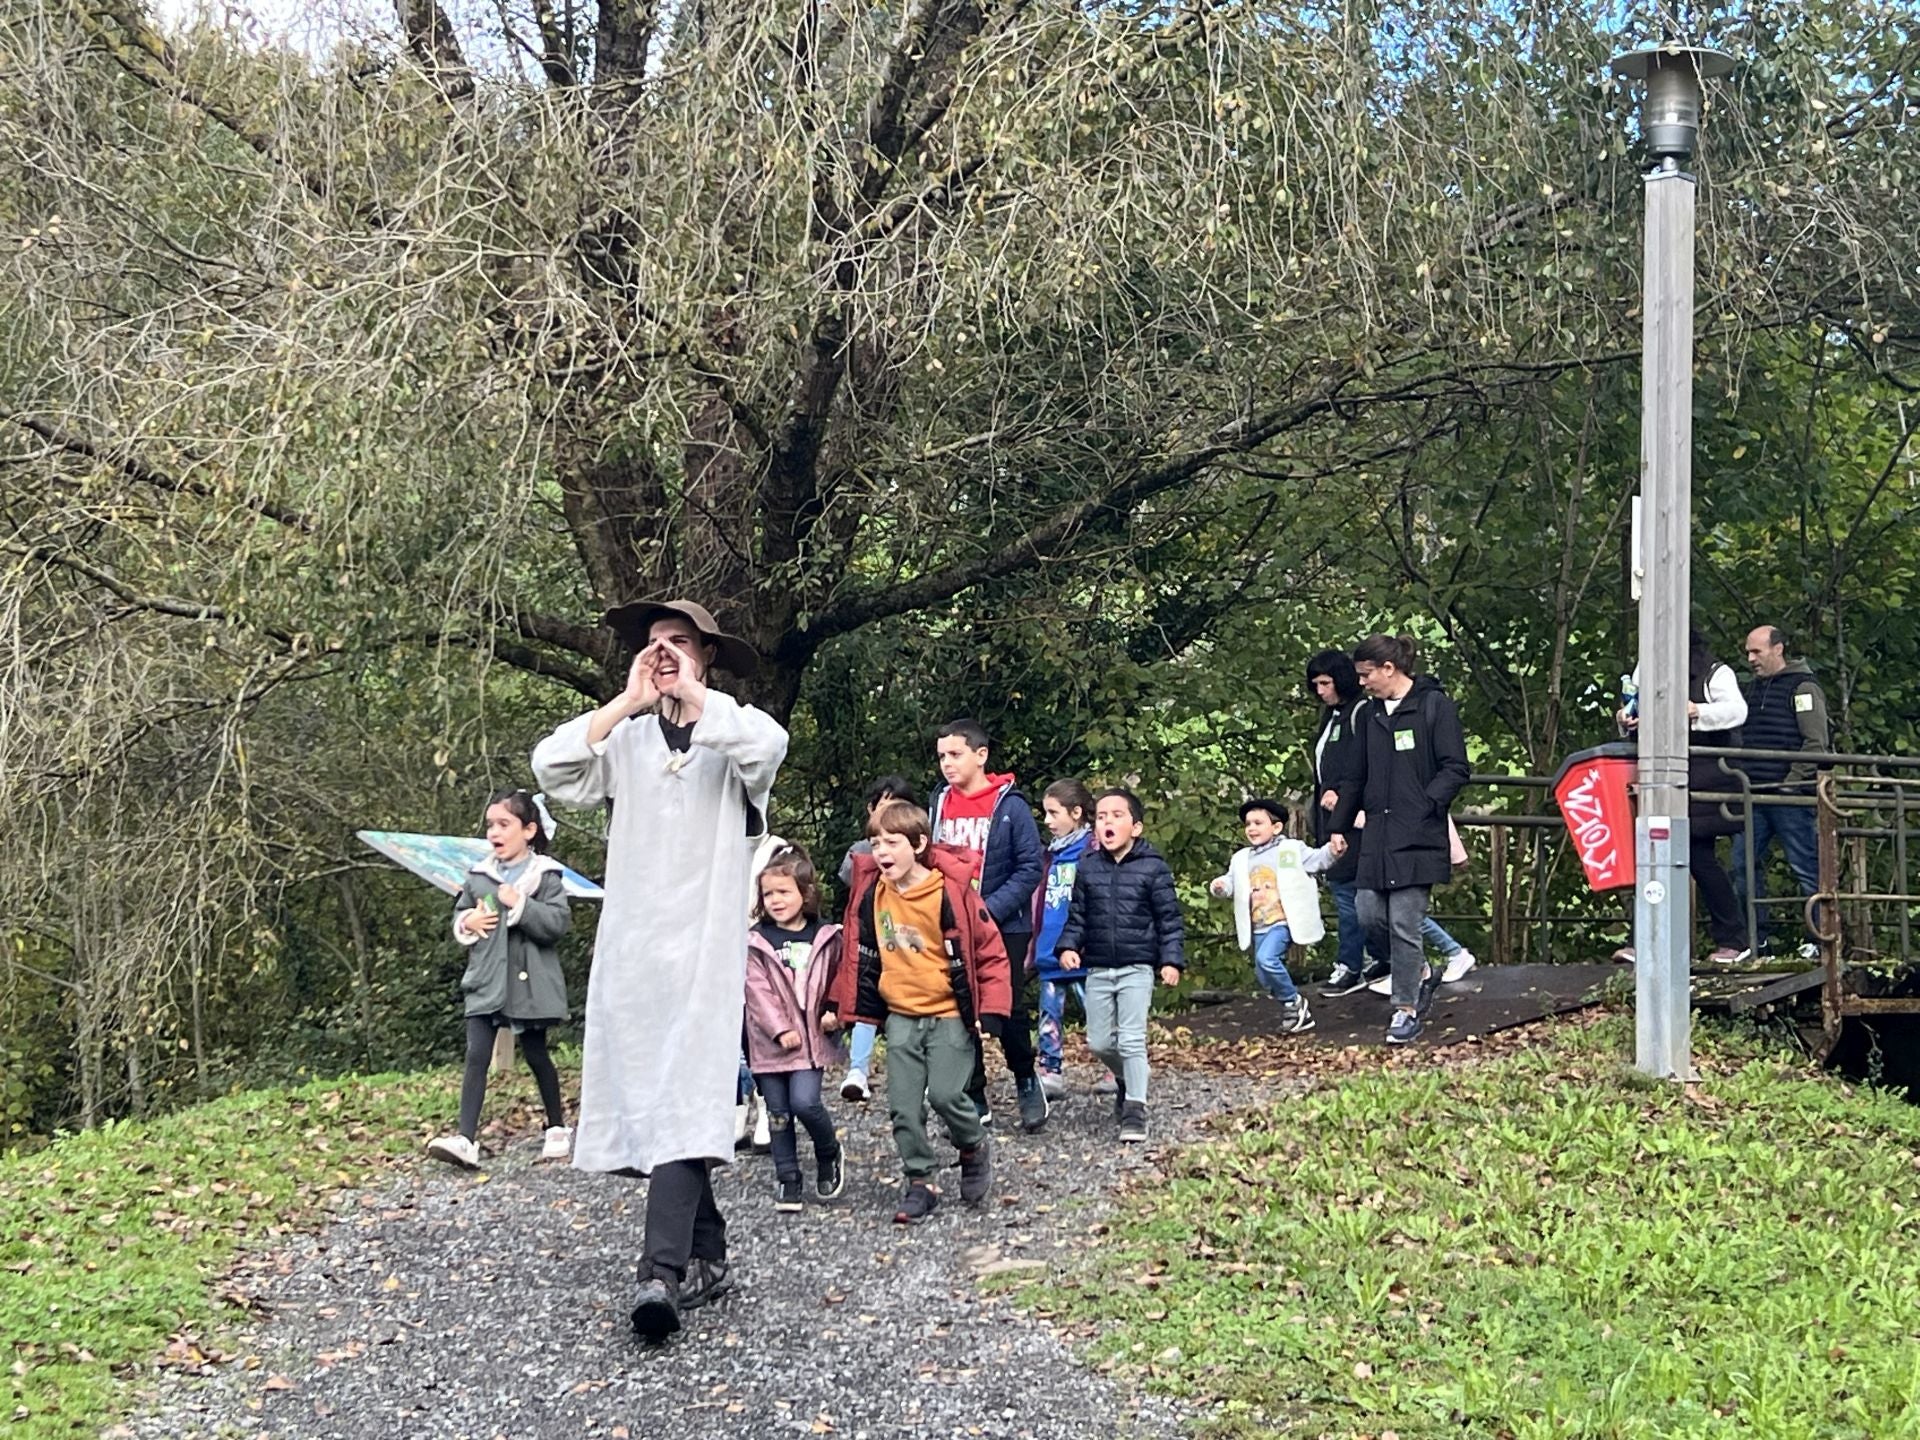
(1072, 795)
(1337, 666)
(1701, 661)
(520, 802)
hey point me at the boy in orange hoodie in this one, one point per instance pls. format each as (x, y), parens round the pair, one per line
(928, 963)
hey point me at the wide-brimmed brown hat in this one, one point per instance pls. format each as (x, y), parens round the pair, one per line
(632, 622)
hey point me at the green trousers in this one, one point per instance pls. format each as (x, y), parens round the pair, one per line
(929, 1060)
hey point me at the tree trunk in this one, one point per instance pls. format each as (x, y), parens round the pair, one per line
(362, 966)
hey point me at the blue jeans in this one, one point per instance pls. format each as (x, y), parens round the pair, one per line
(1353, 936)
(795, 1095)
(1794, 829)
(1270, 963)
(1431, 932)
(743, 1087)
(860, 1055)
(1053, 1014)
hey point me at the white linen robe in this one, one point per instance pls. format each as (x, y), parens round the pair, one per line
(665, 994)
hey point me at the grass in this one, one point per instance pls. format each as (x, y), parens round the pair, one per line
(113, 1242)
(1536, 1246)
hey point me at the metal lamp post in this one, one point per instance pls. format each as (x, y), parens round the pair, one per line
(1662, 925)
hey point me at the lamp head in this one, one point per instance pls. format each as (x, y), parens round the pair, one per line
(1670, 120)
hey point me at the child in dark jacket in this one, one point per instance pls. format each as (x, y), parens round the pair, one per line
(1122, 923)
(510, 915)
(929, 963)
(791, 958)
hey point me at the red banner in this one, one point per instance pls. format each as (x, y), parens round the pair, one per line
(1594, 800)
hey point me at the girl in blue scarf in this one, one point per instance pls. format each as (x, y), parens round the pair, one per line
(1068, 804)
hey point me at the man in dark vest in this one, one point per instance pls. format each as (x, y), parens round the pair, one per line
(1786, 710)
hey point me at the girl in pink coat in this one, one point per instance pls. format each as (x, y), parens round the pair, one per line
(791, 957)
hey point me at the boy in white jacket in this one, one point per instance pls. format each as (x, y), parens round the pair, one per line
(1275, 903)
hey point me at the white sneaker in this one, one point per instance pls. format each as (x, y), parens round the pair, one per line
(742, 1124)
(1382, 986)
(456, 1150)
(558, 1144)
(762, 1128)
(1809, 951)
(1458, 964)
(1054, 1087)
(855, 1087)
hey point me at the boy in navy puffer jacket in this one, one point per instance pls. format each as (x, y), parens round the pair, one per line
(1123, 924)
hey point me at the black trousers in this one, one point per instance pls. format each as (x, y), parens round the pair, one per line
(1726, 921)
(683, 1220)
(1016, 1036)
(473, 1083)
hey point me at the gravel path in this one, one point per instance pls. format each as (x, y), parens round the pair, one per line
(455, 1305)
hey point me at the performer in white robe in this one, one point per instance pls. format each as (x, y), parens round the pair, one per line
(687, 771)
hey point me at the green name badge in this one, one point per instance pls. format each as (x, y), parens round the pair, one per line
(1403, 739)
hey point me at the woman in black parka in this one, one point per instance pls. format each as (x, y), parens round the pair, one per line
(1410, 763)
(1331, 681)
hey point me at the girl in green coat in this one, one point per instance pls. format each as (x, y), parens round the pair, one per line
(510, 915)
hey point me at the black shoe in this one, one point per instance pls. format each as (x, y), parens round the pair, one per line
(980, 1104)
(1374, 970)
(1033, 1104)
(916, 1203)
(976, 1172)
(1429, 987)
(1120, 1103)
(656, 1311)
(831, 1176)
(787, 1195)
(1133, 1123)
(1343, 981)
(707, 1281)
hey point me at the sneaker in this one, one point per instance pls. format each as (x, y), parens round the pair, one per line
(1429, 987)
(1727, 955)
(559, 1143)
(830, 1176)
(656, 1310)
(1405, 1028)
(855, 1087)
(1343, 981)
(1458, 964)
(1119, 1102)
(1133, 1122)
(1053, 1086)
(916, 1203)
(1624, 955)
(762, 1129)
(787, 1195)
(986, 1110)
(742, 1124)
(1107, 1084)
(707, 1281)
(1809, 951)
(1295, 1017)
(976, 1172)
(1382, 986)
(1033, 1104)
(456, 1150)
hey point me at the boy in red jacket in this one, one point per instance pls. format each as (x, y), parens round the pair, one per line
(928, 962)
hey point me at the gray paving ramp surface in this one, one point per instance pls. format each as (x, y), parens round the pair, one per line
(1490, 998)
(448, 1305)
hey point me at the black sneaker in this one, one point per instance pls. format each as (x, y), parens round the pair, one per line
(787, 1196)
(976, 1172)
(707, 1280)
(916, 1203)
(831, 1176)
(1295, 1017)
(1120, 1103)
(1344, 981)
(1429, 987)
(1133, 1122)
(656, 1311)
(1033, 1104)
(1375, 970)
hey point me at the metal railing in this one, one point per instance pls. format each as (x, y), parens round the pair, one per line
(1861, 913)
